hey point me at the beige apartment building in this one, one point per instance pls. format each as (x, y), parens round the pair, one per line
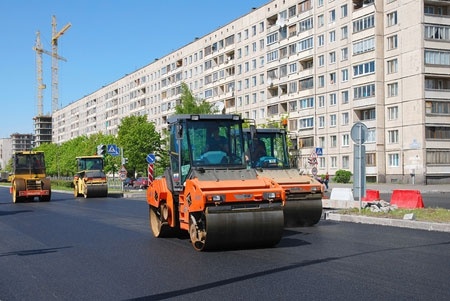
(322, 64)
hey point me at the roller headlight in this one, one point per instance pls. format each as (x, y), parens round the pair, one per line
(269, 195)
(215, 198)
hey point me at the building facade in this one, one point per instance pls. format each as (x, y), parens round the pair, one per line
(321, 64)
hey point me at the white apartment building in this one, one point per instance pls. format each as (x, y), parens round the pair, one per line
(322, 64)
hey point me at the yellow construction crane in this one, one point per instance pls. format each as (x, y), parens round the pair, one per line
(55, 36)
(40, 84)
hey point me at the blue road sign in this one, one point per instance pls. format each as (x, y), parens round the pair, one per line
(151, 158)
(113, 150)
(319, 151)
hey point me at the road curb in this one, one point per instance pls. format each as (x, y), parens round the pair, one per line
(440, 227)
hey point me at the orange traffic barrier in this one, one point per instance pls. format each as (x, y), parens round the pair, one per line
(371, 195)
(407, 199)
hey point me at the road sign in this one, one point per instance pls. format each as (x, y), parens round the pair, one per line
(113, 150)
(319, 151)
(151, 158)
(314, 171)
(312, 160)
(359, 133)
(122, 173)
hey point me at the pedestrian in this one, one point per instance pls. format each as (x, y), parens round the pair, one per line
(327, 178)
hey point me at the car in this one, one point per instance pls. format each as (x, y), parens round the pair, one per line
(128, 182)
(141, 183)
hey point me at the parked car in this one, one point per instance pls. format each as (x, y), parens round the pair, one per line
(141, 183)
(128, 182)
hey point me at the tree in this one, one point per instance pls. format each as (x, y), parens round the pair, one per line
(191, 105)
(138, 138)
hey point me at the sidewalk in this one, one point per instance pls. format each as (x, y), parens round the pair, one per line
(388, 188)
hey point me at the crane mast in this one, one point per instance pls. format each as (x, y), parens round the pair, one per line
(55, 36)
(40, 84)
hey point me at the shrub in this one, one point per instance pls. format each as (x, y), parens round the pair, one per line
(342, 176)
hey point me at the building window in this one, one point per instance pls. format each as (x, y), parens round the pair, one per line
(371, 159)
(306, 24)
(333, 120)
(392, 19)
(393, 136)
(320, 21)
(393, 113)
(320, 40)
(344, 54)
(321, 141)
(321, 122)
(332, 78)
(392, 42)
(371, 136)
(392, 89)
(344, 32)
(364, 69)
(393, 160)
(321, 60)
(333, 141)
(293, 106)
(344, 74)
(332, 16)
(332, 57)
(369, 114)
(345, 162)
(306, 123)
(344, 11)
(363, 46)
(333, 161)
(345, 140)
(344, 96)
(333, 100)
(363, 23)
(332, 36)
(345, 118)
(392, 66)
(364, 91)
(437, 32)
(321, 80)
(307, 103)
(437, 132)
(434, 57)
(321, 101)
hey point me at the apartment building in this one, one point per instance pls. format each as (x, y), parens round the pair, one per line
(322, 64)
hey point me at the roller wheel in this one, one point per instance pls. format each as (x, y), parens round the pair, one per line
(46, 198)
(197, 235)
(16, 187)
(46, 186)
(158, 221)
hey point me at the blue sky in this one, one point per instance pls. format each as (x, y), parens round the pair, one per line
(107, 39)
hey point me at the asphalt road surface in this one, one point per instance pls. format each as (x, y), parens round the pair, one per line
(103, 249)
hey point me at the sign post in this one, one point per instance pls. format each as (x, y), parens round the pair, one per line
(359, 134)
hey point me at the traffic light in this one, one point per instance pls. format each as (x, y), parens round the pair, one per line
(101, 149)
(124, 161)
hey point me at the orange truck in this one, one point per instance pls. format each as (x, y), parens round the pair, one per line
(303, 205)
(210, 193)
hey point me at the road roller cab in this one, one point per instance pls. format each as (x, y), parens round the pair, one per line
(303, 205)
(209, 191)
(29, 179)
(90, 180)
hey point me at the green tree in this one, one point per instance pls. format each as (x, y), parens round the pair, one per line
(138, 138)
(191, 105)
